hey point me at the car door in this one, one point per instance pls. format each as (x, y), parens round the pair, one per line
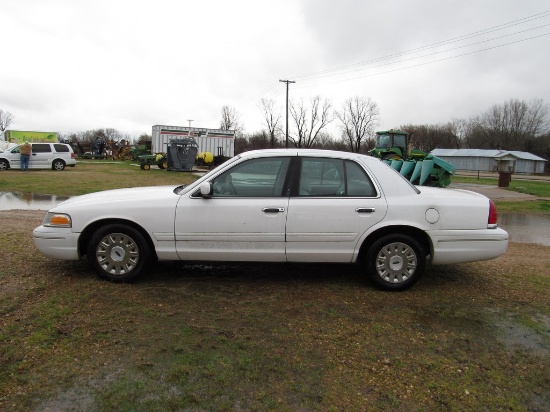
(243, 219)
(41, 156)
(14, 157)
(333, 203)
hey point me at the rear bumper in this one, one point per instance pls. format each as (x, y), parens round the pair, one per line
(461, 246)
(56, 243)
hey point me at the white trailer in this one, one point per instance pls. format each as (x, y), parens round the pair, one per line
(217, 142)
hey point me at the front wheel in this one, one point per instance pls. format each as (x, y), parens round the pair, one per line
(4, 165)
(118, 252)
(395, 262)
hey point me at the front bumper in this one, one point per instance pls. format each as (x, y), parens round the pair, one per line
(56, 243)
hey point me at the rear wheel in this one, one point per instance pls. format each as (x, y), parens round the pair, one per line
(395, 262)
(58, 164)
(118, 252)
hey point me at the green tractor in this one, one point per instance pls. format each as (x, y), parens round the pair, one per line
(421, 168)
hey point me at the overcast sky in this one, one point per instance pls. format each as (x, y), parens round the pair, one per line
(76, 65)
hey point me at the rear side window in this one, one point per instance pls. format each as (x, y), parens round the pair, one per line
(41, 148)
(334, 177)
(61, 147)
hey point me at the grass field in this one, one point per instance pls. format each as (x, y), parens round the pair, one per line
(281, 338)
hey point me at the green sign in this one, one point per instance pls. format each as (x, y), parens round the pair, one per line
(19, 136)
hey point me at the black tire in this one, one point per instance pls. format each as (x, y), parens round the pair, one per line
(146, 166)
(395, 262)
(58, 164)
(118, 252)
(4, 165)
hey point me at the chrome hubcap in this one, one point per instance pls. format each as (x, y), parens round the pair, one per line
(396, 262)
(117, 254)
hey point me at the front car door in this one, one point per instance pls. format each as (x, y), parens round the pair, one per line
(243, 220)
(332, 204)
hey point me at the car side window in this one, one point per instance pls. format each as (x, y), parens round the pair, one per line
(334, 177)
(41, 148)
(61, 147)
(253, 178)
(358, 182)
(321, 177)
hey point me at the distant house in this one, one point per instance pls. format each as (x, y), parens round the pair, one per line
(492, 160)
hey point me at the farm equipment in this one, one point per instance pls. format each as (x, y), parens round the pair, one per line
(180, 156)
(159, 159)
(182, 153)
(421, 168)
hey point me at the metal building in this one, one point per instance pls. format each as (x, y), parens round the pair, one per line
(218, 142)
(492, 160)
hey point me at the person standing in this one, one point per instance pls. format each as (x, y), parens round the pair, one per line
(25, 150)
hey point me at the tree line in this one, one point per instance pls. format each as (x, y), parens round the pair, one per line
(513, 125)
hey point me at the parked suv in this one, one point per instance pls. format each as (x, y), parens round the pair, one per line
(44, 156)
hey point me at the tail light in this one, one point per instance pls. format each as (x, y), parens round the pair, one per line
(493, 215)
(72, 155)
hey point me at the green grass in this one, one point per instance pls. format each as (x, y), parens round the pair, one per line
(536, 188)
(89, 176)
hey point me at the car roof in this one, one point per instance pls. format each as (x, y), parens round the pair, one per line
(306, 152)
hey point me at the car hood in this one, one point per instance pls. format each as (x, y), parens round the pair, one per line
(137, 194)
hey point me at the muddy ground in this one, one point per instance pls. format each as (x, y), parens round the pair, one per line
(320, 337)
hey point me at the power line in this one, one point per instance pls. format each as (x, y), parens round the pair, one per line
(271, 90)
(435, 53)
(431, 46)
(431, 62)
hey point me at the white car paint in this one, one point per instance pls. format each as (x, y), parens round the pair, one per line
(282, 224)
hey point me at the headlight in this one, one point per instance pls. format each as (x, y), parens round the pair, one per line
(57, 220)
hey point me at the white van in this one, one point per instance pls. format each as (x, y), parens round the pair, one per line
(44, 156)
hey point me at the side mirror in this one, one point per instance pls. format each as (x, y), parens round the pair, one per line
(206, 189)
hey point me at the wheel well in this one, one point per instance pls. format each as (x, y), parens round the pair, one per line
(58, 160)
(88, 232)
(421, 237)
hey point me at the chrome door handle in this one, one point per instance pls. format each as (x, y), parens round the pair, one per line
(365, 210)
(273, 209)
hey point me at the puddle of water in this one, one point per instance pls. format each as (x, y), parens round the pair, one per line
(28, 201)
(526, 228)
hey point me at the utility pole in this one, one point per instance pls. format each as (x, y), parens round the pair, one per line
(189, 123)
(287, 82)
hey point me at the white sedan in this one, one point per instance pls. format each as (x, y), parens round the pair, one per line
(284, 205)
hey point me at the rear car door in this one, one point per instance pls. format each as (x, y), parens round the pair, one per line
(41, 156)
(243, 220)
(332, 204)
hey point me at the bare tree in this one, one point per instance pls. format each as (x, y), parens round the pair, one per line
(5, 120)
(359, 116)
(230, 120)
(513, 124)
(272, 119)
(310, 124)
